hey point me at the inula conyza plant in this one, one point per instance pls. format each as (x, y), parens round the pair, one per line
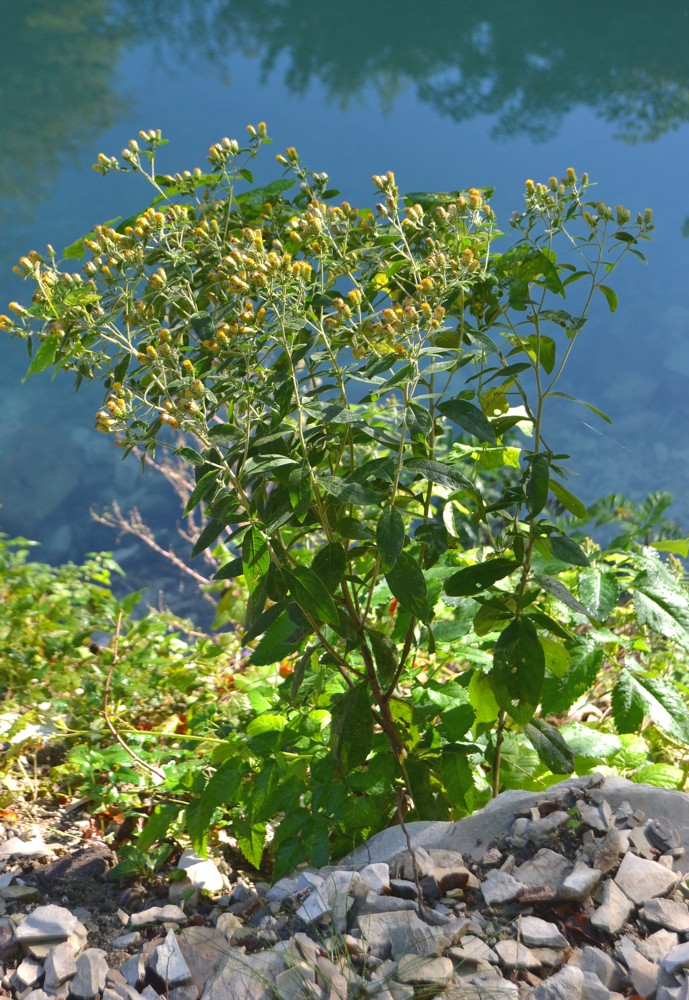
(363, 396)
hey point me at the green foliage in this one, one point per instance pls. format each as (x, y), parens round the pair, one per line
(412, 594)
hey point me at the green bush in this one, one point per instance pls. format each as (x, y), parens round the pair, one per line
(366, 391)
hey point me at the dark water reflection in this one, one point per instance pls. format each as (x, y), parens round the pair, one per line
(448, 94)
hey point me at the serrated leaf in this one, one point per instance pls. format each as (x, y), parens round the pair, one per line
(389, 536)
(664, 705)
(408, 584)
(590, 743)
(536, 486)
(222, 789)
(599, 592)
(518, 670)
(585, 661)
(566, 549)
(311, 594)
(458, 778)
(439, 472)
(44, 356)
(351, 728)
(469, 417)
(571, 503)
(156, 826)
(556, 656)
(550, 746)
(329, 565)
(250, 841)
(472, 580)
(664, 611)
(660, 775)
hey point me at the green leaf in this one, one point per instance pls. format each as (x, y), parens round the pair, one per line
(156, 826)
(610, 297)
(251, 838)
(311, 594)
(389, 536)
(384, 654)
(585, 661)
(660, 775)
(230, 570)
(300, 492)
(591, 743)
(582, 402)
(44, 356)
(599, 592)
(550, 746)
(439, 472)
(536, 486)
(518, 670)
(469, 417)
(329, 565)
(473, 579)
(408, 584)
(567, 550)
(255, 558)
(482, 699)
(558, 590)
(568, 500)
(209, 534)
(628, 706)
(458, 778)
(664, 705)
(353, 493)
(267, 722)
(221, 790)
(201, 490)
(678, 546)
(351, 728)
(556, 656)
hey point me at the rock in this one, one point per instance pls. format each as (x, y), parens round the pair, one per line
(539, 933)
(297, 983)
(204, 950)
(473, 949)
(16, 848)
(642, 973)
(499, 887)
(640, 879)
(598, 817)
(158, 915)
(19, 894)
(401, 933)
(125, 940)
(663, 834)
(60, 965)
(546, 868)
(567, 984)
(666, 913)
(29, 972)
(513, 955)
(412, 969)
(593, 988)
(580, 883)
(134, 970)
(656, 946)
(602, 965)
(245, 977)
(676, 959)
(46, 923)
(434, 862)
(614, 910)
(89, 980)
(607, 851)
(203, 874)
(168, 963)
(540, 831)
(376, 876)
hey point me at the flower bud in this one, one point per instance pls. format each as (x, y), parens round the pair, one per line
(571, 176)
(623, 215)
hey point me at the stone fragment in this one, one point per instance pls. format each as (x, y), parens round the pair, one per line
(412, 969)
(538, 933)
(385, 904)
(540, 831)
(404, 888)
(376, 876)
(642, 973)
(614, 910)
(204, 950)
(148, 993)
(17, 848)
(499, 887)
(329, 899)
(60, 965)
(46, 923)
(602, 965)
(37, 995)
(284, 888)
(640, 879)
(513, 955)
(593, 988)
(331, 978)
(245, 977)
(666, 913)
(90, 976)
(126, 940)
(598, 817)
(656, 946)
(297, 983)
(202, 873)
(607, 852)
(580, 882)
(158, 915)
(567, 984)
(473, 949)
(400, 933)
(640, 844)
(189, 992)
(548, 957)
(676, 959)
(663, 834)
(168, 963)
(29, 971)
(546, 868)
(19, 894)
(134, 970)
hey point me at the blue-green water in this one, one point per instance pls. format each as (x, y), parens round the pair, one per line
(445, 93)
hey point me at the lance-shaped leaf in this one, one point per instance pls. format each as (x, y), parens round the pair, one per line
(255, 557)
(518, 670)
(567, 550)
(439, 472)
(300, 493)
(329, 565)
(473, 579)
(384, 654)
(469, 417)
(389, 536)
(351, 728)
(536, 486)
(408, 584)
(311, 594)
(570, 502)
(550, 746)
